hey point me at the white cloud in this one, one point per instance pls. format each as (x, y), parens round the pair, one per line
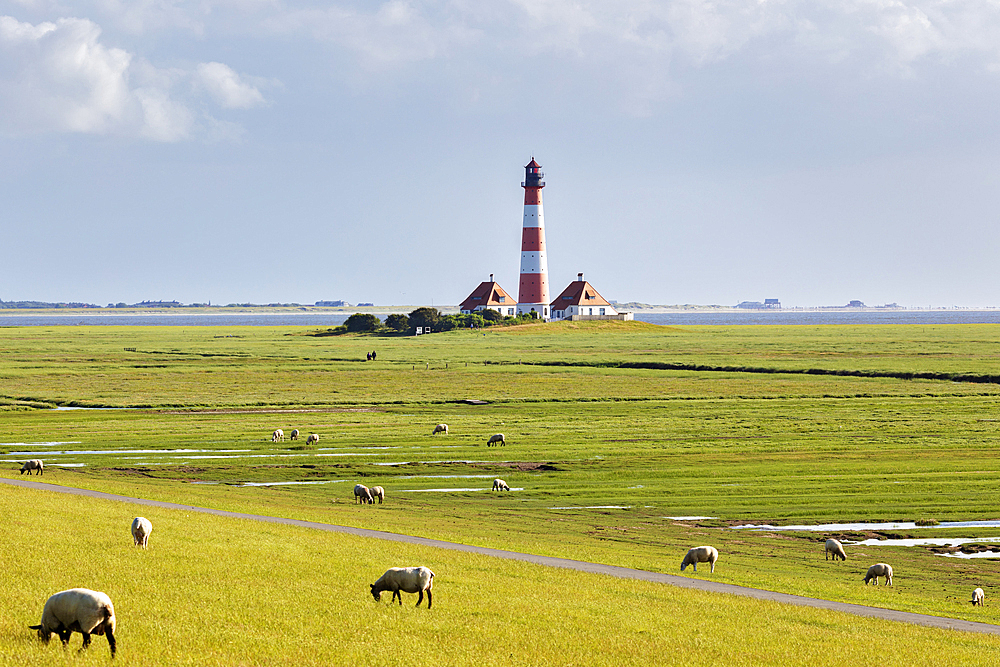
(59, 76)
(227, 87)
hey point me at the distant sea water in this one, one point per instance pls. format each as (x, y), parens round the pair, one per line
(686, 318)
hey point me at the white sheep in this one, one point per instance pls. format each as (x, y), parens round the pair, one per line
(377, 492)
(500, 485)
(295, 434)
(78, 610)
(312, 439)
(33, 464)
(278, 436)
(978, 596)
(362, 494)
(835, 548)
(697, 555)
(440, 428)
(141, 528)
(406, 579)
(879, 570)
(496, 439)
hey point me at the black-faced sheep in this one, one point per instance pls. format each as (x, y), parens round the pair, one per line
(295, 434)
(141, 528)
(362, 494)
(78, 610)
(496, 439)
(836, 549)
(440, 428)
(33, 464)
(978, 597)
(377, 492)
(697, 555)
(278, 436)
(879, 570)
(312, 439)
(500, 485)
(406, 579)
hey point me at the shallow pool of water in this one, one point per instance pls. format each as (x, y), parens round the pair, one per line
(320, 481)
(922, 541)
(889, 525)
(38, 444)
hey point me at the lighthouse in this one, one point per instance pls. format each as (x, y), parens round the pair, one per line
(533, 292)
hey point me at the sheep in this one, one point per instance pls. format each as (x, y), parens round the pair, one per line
(500, 485)
(836, 548)
(697, 555)
(362, 494)
(978, 596)
(406, 579)
(312, 439)
(33, 464)
(377, 492)
(295, 434)
(78, 610)
(440, 428)
(879, 570)
(278, 436)
(141, 528)
(496, 439)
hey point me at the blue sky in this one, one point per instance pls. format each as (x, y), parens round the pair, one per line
(695, 152)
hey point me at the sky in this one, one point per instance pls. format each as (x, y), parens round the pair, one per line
(695, 152)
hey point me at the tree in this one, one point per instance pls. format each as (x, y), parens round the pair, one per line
(424, 318)
(397, 322)
(362, 322)
(491, 316)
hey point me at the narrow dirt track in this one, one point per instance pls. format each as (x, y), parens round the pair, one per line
(582, 566)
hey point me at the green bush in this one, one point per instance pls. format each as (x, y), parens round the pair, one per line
(363, 322)
(397, 322)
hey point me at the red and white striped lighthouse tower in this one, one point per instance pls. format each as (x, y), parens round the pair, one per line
(533, 292)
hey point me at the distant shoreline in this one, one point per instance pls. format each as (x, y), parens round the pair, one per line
(196, 311)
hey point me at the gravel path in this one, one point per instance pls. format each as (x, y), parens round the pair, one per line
(582, 566)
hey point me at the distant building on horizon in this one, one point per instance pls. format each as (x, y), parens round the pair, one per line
(333, 304)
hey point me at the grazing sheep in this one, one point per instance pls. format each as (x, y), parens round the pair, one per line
(377, 492)
(978, 596)
(697, 555)
(440, 428)
(278, 436)
(836, 548)
(500, 485)
(312, 439)
(362, 494)
(295, 434)
(406, 579)
(33, 464)
(141, 528)
(497, 440)
(879, 570)
(78, 610)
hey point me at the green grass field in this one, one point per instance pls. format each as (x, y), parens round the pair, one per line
(600, 457)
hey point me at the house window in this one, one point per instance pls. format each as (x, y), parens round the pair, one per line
(510, 311)
(602, 311)
(502, 299)
(591, 312)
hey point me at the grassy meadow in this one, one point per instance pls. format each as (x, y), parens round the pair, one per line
(603, 459)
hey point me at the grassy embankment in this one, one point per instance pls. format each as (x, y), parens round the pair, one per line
(757, 447)
(214, 591)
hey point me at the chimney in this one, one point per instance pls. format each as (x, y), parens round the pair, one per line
(579, 277)
(491, 277)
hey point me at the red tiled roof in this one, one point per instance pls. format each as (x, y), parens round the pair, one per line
(487, 294)
(533, 164)
(579, 293)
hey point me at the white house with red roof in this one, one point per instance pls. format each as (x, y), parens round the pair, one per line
(581, 301)
(489, 296)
